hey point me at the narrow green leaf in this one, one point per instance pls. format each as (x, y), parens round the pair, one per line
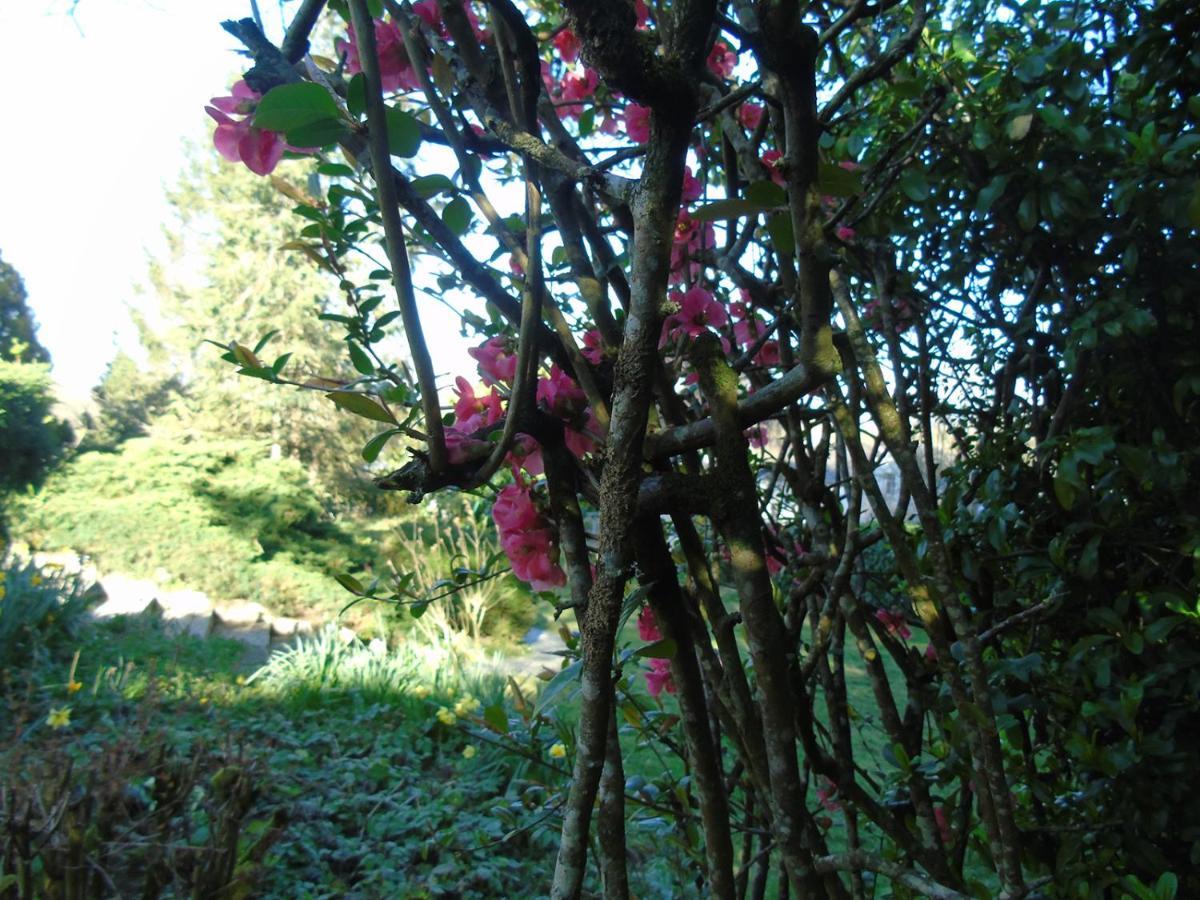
(350, 583)
(373, 447)
(361, 405)
(664, 649)
(356, 95)
(430, 185)
(359, 358)
(734, 208)
(570, 675)
(262, 341)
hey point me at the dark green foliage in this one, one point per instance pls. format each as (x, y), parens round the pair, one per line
(31, 438)
(128, 400)
(18, 332)
(219, 516)
(40, 616)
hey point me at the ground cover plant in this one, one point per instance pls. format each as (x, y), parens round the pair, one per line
(802, 330)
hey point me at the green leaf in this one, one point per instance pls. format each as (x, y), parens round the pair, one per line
(361, 405)
(1064, 491)
(779, 226)
(387, 318)
(350, 583)
(335, 170)
(559, 683)
(280, 362)
(1019, 126)
(457, 216)
(359, 357)
(766, 193)
(914, 185)
(292, 106)
(404, 133)
(734, 208)
(373, 447)
(262, 341)
(1031, 67)
(496, 718)
(356, 95)
(430, 185)
(317, 134)
(838, 182)
(587, 121)
(989, 195)
(664, 649)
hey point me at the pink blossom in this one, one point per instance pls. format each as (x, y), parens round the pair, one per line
(533, 555)
(583, 442)
(637, 123)
(698, 310)
(826, 794)
(473, 413)
(931, 653)
(943, 824)
(750, 114)
(648, 625)
(746, 331)
(567, 45)
(497, 362)
(394, 67)
(237, 140)
(526, 454)
(514, 509)
(691, 239)
(430, 13)
(559, 395)
(773, 160)
(692, 186)
(593, 347)
(893, 623)
(642, 13)
(515, 267)
(721, 60)
(461, 447)
(844, 233)
(576, 86)
(659, 677)
(757, 436)
(849, 165)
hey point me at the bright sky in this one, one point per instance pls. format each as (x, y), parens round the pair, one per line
(100, 105)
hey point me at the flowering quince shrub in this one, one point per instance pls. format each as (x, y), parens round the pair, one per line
(781, 346)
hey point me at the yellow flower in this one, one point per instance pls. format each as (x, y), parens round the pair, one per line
(421, 691)
(469, 751)
(59, 718)
(74, 686)
(3, 590)
(36, 580)
(445, 716)
(203, 701)
(241, 679)
(558, 751)
(466, 706)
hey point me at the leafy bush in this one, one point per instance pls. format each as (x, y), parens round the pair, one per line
(30, 435)
(219, 516)
(40, 614)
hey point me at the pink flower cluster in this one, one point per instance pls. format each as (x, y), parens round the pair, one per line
(395, 68)
(527, 538)
(894, 623)
(691, 239)
(239, 141)
(904, 314)
(697, 311)
(721, 60)
(748, 328)
(659, 677)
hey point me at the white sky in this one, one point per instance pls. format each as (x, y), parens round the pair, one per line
(98, 107)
